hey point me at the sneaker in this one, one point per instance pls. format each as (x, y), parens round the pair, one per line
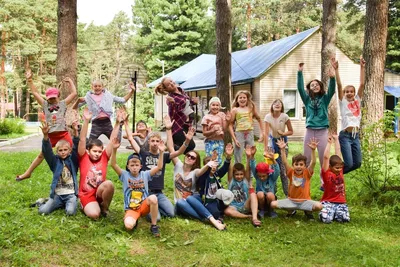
(154, 229)
(322, 188)
(291, 214)
(261, 214)
(41, 201)
(273, 214)
(309, 216)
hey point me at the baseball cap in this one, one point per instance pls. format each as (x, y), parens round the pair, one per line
(52, 92)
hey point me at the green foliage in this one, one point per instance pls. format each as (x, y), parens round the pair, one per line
(10, 126)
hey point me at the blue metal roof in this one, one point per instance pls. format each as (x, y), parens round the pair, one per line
(190, 69)
(248, 64)
(393, 90)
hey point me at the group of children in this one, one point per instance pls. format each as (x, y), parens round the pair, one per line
(198, 191)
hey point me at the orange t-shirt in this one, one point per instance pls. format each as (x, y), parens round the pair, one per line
(299, 186)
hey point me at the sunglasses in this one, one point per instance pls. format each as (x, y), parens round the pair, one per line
(190, 157)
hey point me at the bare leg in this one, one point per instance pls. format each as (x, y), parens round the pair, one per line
(92, 210)
(232, 212)
(129, 223)
(261, 200)
(106, 193)
(27, 174)
(153, 203)
(217, 224)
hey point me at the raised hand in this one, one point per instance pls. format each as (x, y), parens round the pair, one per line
(301, 66)
(334, 63)
(167, 122)
(116, 143)
(28, 74)
(362, 62)
(161, 146)
(281, 143)
(249, 150)
(190, 133)
(45, 128)
(132, 86)
(68, 80)
(330, 139)
(313, 143)
(269, 153)
(229, 150)
(87, 115)
(212, 164)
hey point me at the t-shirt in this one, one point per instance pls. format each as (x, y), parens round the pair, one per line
(240, 192)
(215, 121)
(244, 120)
(55, 116)
(299, 185)
(211, 189)
(276, 124)
(351, 112)
(184, 186)
(149, 160)
(142, 142)
(92, 174)
(65, 184)
(334, 189)
(97, 99)
(135, 189)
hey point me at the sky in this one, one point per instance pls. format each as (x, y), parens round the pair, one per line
(101, 12)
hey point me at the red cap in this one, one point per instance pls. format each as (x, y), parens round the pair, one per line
(263, 167)
(52, 92)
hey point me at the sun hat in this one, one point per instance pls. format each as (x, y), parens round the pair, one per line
(52, 92)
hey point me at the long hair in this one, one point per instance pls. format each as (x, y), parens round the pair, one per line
(311, 93)
(196, 164)
(250, 103)
(277, 100)
(160, 88)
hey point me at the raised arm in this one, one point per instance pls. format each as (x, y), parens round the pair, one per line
(327, 154)
(170, 142)
(360, 92)
(331, 84)
(337, 145)
(87, 116)
(46, 146)
(231, 131)
(73, 93)
(185, 144)
(282, 146)
(335, 65)
(33, 88)
(160, 163)
(129, 135)
(210, 164)
(300, 84)
(115, 145)
(132, 90)
(118, 122)
(313, 145)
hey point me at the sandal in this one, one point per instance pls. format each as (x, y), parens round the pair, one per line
(256, 223)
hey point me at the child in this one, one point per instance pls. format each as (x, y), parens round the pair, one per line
(334, 199)
(299, 183)
(266, 176)
(245, 199)
(214, 125)
(275, 124)
(210, 182)
(243, 112)
(54, 112)
(350, 109)
(95, 192)
(141, 135)
(150, 159)
(137, 201)
(64, 165)
(99, 102)
(316, 103)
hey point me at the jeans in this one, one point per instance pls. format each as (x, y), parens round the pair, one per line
(192, 207)
(165, 207)
(282, 168)
(60, 201)
(216, 208)
(351, 151)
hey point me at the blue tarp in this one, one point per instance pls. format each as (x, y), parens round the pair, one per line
(393, 90)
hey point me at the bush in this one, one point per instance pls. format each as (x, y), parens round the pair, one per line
(10, 126)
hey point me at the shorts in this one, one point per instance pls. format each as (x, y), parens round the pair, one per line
(86, 198)
(334, 212)
(241, 209)
(143, 210)
(57, 136)
(289, 204)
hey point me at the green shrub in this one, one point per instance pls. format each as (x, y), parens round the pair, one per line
(9, 126)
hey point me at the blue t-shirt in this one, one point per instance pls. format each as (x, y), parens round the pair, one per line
(240, 192)
(269, 184)
(135, 189)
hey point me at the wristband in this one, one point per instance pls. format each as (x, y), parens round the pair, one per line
(185, 145)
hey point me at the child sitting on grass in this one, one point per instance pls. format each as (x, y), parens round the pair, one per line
(299, 183)
(64, 165)
(244, 204)
(266, 176)
(137, 201)
(334, 199)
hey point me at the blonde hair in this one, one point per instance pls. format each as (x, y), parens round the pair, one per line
(250, 103)
(154, 134)
(97, 81)
(160, 88)
(63, 142)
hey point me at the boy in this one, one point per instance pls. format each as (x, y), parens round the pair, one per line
(245, 199)
(265, 181)
(150, 159)
(64, 165)
(334, 198)
(299, 183)
(137, 201)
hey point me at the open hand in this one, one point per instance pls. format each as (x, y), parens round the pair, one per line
(362, 62)
(28, 74)
(167, 122)
(45, 128)
(281, 143)
(229, 150)
(334, 63)
(87, 115)
(161, 146)
(190, 133)
(301, 66)
(269, 153)
(313, 143)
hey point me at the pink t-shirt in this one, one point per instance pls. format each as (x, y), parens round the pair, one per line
(215, 121)
(98, 98)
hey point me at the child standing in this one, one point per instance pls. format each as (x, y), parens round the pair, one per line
(266, 176)
(54, 111)
(275, 124)
(95, 192)
(334, 199)
(242, 114)
(214, 125)
(244, 204)
(299, 183)
(137, 201)
(64, 165)
(316, 103)
(350, 109)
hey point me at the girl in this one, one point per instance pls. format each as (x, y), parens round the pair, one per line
(350, 109)
(95, 192)
(54, 112)
(316, 102)
(275, 124)
(214, 125)
(179, 109)
(243, 112)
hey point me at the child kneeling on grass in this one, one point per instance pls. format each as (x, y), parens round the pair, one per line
(137, 201)
(64, 165)
(334, 199)
(245, 199)
(299, 183)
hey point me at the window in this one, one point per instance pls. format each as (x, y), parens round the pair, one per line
(290, 103)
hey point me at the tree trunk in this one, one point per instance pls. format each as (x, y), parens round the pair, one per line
(223, 54)
(376, 21)
(328, 51)
(66, 48)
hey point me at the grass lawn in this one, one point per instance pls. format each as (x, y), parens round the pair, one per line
(371, 238)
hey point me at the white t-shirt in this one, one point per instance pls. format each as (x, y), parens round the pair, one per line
(351, 112)
(184, 186)
(276, 124)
